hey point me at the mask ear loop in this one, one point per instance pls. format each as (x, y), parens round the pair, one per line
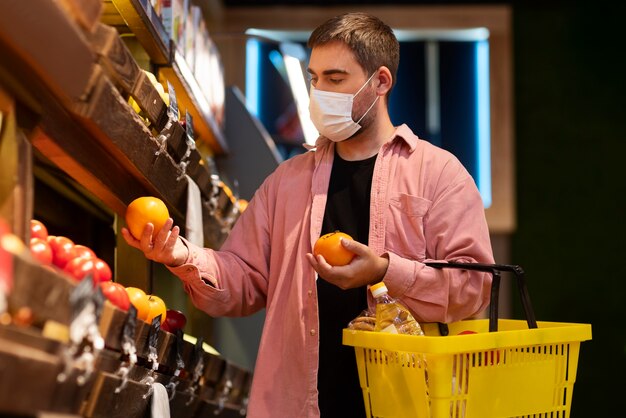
(367, 111)
(373, 103)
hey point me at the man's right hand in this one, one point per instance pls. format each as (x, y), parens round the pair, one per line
(165, 247)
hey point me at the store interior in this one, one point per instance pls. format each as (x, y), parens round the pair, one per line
(527, 95)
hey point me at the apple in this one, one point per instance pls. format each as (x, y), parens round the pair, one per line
(174, 320)
(157, 307)
(40, 250)
(116, 294)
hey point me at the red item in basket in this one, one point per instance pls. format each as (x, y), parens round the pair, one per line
(6, 263)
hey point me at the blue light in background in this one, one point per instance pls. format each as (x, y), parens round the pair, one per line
(252, 76)
(483, 126)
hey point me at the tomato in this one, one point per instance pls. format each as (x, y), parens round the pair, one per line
(143, 210)
(103, 271)
(83, 251)
(116, 294)
(157, 307)
(174, 320)
(38, 229)
(40, 250)
(80, 267)
(139, 299)
(329, 246)
(62, 250)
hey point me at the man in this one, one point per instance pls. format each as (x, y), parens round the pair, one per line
(402, 199)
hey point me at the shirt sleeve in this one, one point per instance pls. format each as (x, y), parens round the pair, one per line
(233, 280)
(455, 230)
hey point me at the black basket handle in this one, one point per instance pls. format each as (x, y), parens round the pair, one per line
(495, 270)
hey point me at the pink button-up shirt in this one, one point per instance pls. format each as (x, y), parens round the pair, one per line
(424, 206)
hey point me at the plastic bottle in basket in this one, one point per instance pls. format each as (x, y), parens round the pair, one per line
(391, 315)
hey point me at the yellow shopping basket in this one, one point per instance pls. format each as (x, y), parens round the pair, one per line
(519, 369)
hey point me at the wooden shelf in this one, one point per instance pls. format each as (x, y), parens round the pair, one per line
(138, 17)
(83, 124)
(191, 97)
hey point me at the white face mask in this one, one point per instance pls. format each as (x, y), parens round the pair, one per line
(331, 113)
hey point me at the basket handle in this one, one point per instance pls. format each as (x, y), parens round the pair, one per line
(495, 270)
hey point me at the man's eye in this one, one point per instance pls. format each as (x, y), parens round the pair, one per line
(336, 80)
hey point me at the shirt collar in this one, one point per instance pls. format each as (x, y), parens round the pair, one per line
(403, 132)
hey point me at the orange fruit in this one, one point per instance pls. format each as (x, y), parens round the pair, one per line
(329, 246)
(143, 210)
(139, 300)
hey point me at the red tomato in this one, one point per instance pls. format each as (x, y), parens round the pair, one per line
(80, 267)
(103, 271)
(61, 250)
(173, 320)
(116, 294)
(83, 251)
(38, 229)
(40, 250)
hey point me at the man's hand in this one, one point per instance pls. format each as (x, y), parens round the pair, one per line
(164, 247)
(365, 268)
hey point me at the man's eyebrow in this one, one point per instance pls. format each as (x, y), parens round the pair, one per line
(329, 72)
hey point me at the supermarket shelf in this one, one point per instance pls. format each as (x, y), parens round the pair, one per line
(138, 17)
(80, 121)
(190, 96)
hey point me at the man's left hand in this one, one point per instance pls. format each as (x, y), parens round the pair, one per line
(365, 268)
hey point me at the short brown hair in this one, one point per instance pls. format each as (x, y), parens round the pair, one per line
(372, 42)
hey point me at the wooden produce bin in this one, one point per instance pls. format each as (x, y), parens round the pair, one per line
(71, 77)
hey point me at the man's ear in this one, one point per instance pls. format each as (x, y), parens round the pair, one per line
(385, 81)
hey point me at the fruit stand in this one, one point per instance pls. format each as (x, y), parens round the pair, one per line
(77, 90)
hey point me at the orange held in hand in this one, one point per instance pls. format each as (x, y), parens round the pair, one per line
(143, 210)
(329, 246)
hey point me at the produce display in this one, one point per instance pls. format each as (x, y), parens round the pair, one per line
(74, 341)
(128, 348)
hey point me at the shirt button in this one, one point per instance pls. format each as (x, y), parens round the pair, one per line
(310, 293)
(313, 332)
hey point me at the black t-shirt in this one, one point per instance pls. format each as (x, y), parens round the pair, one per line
(347, 210)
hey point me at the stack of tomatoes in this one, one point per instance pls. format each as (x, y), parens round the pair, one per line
(79, 261)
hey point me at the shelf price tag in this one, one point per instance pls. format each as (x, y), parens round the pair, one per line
(191, 145)
(85, 339)
(172, 118)
(153, 360)
(172, 110)
(128, 347)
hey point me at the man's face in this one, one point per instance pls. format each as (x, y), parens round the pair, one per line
(334, 68)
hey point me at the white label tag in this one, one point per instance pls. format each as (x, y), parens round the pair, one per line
(391, 329)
